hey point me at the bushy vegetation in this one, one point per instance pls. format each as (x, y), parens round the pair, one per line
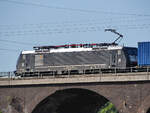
(108, 108)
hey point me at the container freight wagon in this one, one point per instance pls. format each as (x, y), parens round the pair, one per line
(144, 54)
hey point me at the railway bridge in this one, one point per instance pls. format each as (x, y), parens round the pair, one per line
(129, 92)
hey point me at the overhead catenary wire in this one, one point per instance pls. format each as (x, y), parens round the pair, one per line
(72, 23)
(11, 50)
(74, 29)
(16, 42)
(39, 27)
(73, 9)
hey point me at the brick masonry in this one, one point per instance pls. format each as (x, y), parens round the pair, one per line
(128, 97)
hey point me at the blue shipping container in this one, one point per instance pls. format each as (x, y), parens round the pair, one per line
(144, 53)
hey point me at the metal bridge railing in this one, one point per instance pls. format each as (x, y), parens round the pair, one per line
(92, 72)
(7, 74)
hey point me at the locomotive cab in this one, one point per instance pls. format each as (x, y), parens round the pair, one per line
(25, 63)
(131, 54)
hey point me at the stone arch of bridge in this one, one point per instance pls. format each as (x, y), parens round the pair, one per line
(148, 111)
(145, 105)
(72, 100)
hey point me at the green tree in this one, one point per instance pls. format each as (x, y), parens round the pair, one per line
(108, 108)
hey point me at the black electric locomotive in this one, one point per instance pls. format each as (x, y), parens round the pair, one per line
(75, 58)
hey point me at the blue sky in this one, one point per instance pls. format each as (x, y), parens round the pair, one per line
(28, 23)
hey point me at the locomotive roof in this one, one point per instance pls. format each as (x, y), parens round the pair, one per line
(74, 46)
(58, 50)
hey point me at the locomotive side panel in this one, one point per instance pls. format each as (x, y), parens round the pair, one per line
(117, 59)
(77, 58)
(38, 60)
(78, 61)
(30, 61)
